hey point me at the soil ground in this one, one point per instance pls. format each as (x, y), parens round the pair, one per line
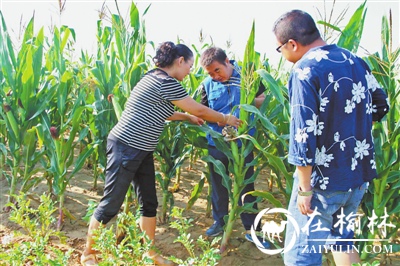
(240, 252)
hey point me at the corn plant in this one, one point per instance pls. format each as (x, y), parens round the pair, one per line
(350, 36)
(236, 154)
(61, 142)
(60, 126)
(3, 148)
(195, 137)
(24, 94)
(384, 196)
(171, 152)
(383, 193)
(118, 67)
(274, 143)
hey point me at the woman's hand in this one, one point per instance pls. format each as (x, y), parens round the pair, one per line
(195, 120)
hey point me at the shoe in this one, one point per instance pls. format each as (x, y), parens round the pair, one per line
(215, 230)
(265, 244)
(89, 259)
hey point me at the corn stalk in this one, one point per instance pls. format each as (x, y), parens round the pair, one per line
(119, 65)
(384, 196)
(60, 127)
(171, 152)
(383, 193)
(236, 153)
(24, 95)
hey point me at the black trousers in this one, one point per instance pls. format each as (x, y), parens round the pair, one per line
(125, 166)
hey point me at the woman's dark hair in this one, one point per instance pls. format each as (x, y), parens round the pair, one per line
(167, 52)
(297, 25)
(213, 54)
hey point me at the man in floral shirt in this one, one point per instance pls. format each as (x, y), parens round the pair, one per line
(334, 100)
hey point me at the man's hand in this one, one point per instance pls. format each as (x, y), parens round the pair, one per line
(304, 204)
(231, 120)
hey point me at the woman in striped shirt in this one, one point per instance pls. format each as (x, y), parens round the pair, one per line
(132, 141)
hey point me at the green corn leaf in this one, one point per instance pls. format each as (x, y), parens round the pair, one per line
(83, 157)
(56, 60)
(136, 70)
(272, 85)
(134, 15)
(3, 149)
(38, 58)
(44, 97)
(13, 125)
(28, 34)
(67, 33)
(351, 35)
(119, 30)
(63, 92)
(77, 116)
(264, 120)
(334, 27)
(265, 195)
(394, 177)
(146, 10)
(27, 72)
(278, 163)
(8, 48)
(29, 141)
(220, 169)
(196, 192)
(117, 107)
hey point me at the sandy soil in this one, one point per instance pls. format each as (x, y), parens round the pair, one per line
(241, 252)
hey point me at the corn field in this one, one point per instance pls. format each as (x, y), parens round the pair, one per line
(56, 113)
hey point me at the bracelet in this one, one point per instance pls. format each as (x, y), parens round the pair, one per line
(304, 193)
(224, 118)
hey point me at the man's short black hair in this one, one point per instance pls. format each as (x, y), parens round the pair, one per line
(296, 25)
(213, 54)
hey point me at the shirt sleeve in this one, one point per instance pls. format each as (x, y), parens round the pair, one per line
(304, 124)
(380, 102)
(380, 105)
(172, 90)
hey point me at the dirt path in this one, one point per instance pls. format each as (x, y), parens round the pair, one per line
(241, 252)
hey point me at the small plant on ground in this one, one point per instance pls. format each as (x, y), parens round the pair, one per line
(209, 254)
(129, 249)
(36, 249)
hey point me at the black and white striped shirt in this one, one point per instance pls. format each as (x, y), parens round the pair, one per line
(146, 110)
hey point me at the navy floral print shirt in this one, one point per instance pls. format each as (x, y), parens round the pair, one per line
(334, 99)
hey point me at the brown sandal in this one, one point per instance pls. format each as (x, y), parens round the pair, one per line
(89, 259)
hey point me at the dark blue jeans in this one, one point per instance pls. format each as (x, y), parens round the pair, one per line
(220, 196)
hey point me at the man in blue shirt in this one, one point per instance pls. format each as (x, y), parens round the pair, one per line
(334, 100)
(221, 92)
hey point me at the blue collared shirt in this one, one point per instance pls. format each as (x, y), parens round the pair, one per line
(334, 98)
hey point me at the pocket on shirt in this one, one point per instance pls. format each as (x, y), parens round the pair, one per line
(214, 99)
